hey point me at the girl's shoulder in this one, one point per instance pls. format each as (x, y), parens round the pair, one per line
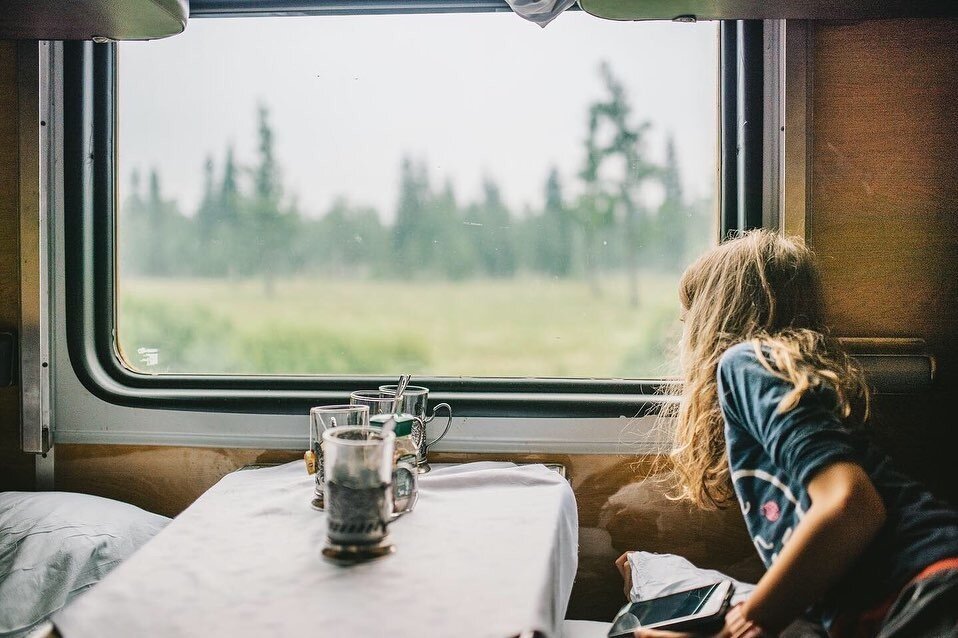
(741, 377)
(743, 357)
(748, 370)
(741, 352)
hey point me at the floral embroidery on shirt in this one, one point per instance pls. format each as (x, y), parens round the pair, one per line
(771, 523)
(771, 511)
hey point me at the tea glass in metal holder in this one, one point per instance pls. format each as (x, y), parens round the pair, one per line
(323, 418)
(382, 408)
(359, 502)
(413, 402)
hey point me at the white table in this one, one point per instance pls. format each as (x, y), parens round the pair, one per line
(490, 551)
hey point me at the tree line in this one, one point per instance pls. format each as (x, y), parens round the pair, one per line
(247, 226)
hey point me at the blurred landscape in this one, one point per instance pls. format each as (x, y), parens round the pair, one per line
(579, 283)
(516, 327)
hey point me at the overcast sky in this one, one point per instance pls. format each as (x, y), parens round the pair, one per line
(472, 94)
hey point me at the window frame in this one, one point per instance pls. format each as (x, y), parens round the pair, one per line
(90, 205)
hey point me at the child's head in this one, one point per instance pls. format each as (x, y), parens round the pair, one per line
(759, 283)
(759, 287)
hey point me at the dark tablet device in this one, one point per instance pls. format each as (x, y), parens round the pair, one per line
(702, 608)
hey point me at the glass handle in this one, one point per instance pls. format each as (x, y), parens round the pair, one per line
(445, 429)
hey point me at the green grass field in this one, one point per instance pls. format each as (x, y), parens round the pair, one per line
(515, 327)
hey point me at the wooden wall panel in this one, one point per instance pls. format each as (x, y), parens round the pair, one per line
(620, 507)
(16, 468)
(164, 480)
(884, 208)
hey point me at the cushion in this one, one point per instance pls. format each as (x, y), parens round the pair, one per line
(640, 515)
(54, 545)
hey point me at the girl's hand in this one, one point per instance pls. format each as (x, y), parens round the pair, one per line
(625, 569)
(735, 627)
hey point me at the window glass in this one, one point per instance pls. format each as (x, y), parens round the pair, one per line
(461, 195)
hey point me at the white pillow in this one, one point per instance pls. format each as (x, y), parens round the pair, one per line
(655, 575)
(54, 545)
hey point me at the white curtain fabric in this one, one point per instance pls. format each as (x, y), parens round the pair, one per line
(542, 12)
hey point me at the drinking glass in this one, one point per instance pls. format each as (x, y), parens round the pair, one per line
(376, 401)
(413, 402)
(359, 470)
(323, 418)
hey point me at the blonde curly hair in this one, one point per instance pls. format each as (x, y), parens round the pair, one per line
(763, 288)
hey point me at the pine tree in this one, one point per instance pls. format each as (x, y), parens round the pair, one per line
(496, 241)
(206, 214)
(554, 241)
(412, 227)
(230, 198)
(604, 198)
(230, 233)
(457, 256)
(206, 222)
(628, 146)
(268, 227)
(594, 209)
(673, 215)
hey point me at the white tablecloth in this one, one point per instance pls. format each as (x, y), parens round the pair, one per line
(489, 551)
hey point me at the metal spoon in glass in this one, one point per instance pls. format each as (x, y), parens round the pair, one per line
(390, 424)
(400, 389)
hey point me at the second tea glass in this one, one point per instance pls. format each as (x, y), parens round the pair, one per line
(383, 409)
(375, 400)
(326, 417)
(413, 402)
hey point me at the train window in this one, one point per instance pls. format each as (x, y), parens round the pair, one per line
(454, 195)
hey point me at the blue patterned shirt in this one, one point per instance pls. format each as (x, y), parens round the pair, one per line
(773, 456)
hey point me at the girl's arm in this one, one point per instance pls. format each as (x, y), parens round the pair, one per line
(845, 515)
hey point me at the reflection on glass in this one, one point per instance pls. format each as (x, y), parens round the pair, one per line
(383, 193)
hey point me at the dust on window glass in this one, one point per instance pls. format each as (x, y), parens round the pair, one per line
(460, 194)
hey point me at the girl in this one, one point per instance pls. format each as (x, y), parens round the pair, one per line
(769, 415)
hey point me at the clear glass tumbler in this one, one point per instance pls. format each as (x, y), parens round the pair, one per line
(325, 417)
(413, 402)
(377, 402)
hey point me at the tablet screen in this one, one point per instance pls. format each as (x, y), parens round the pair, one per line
(649, 612)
